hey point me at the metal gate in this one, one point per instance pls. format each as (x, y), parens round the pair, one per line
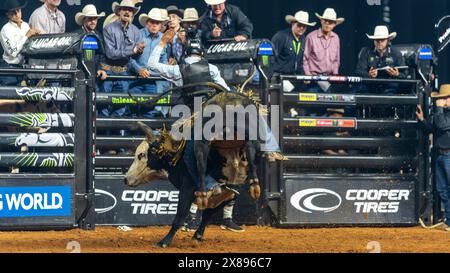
(355, 158)
(46, 157)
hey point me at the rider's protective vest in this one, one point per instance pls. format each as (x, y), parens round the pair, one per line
(195, 73)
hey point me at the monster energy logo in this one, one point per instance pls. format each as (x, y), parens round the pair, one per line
(42, 120)
(89, 54)
(28, 160)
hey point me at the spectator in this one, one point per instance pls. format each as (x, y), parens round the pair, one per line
(113, 17)
(175, 49)
(88, 20)
(121, 40)
(381, 61)
(322, 50)
(48, 19)
(289, 45)
(225, 21)
(13, 37)
(191, 22)
(151, 36)
(441, 131)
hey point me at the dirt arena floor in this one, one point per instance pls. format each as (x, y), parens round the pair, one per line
(254, 240)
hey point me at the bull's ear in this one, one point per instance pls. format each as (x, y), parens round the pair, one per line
(147, 130)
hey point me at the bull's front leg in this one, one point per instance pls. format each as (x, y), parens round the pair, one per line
(201, 150)
(184, 204)
(255, 189)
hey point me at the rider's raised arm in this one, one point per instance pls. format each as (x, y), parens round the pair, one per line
(169, 72)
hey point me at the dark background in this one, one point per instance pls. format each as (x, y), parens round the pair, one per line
(414, 20)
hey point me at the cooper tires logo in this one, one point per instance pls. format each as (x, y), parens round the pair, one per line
(106, 195)
(304, 200)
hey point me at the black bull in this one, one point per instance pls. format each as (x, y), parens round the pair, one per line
(213, 158)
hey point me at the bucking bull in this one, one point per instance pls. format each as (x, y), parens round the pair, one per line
(232, 163)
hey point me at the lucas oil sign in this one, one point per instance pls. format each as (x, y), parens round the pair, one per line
(18, 202)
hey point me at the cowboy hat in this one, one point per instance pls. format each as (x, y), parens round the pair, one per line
(214, 2)
(114, 4)
(330, 14)
(154, 14)
(125, 4)
(444, 92)
(88, 11)
(9, 5)
(165, 14)
(175, 10)
(190, 15)
(381, 33)
(301, 17)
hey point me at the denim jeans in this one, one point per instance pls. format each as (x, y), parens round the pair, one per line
(443, 183)
(116, 87)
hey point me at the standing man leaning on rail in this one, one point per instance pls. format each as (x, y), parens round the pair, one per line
(322, 51)
(381, 61)
(121, 40)
(87, 19)
(13, 37)
(441, 131)
(48, 19)
(289, 45)
(151, 36)
(225, 21)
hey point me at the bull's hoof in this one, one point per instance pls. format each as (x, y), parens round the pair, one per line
(201, 200)
(161, 245)
(197, 238)
(255, 189)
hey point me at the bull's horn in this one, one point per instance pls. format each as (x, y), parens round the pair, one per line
(147, 130)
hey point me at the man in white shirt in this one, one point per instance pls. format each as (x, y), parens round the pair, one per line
(14, 35)
(48, 19)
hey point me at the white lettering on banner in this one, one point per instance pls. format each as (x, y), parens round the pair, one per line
(155, 209)
(364, 201)
(149, 196)
(377, 195)
(225, 48)
(444, 36)
(147, 202)
(33, 201)
(51, 42)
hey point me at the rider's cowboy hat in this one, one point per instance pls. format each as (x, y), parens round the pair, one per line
(125, 4)
(301, 17)
(381, 33)
(444, 92)
(154, 14)
(330, 14)
(88, 11)
(214, 2)
(9, 5)
(190, 15)
(175, 10)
